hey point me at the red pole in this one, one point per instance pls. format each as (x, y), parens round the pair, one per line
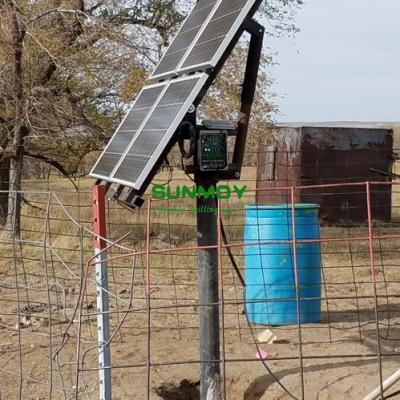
(103, 320)
(99, 216)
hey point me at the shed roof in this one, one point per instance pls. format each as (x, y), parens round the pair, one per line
(340, 124)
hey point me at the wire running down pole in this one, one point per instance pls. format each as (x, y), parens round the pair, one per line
(103, 322)
(207, 265)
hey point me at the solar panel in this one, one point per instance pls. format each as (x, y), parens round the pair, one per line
(204, 37)
(155, 134)
(184, 39)
(217, 35)
(142, 139)
(127, 130)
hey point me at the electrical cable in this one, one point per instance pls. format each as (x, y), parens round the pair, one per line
(235, 266)
(170, 174)
(191, 130)
(181, 142)
(183, 169)
(231, 256)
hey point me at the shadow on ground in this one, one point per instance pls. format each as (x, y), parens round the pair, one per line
(259, 386)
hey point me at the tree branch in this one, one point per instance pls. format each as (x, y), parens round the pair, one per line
(54, 164)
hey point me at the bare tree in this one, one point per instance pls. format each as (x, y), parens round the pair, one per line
(68, 69)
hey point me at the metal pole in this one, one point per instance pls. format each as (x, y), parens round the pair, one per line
(207, 264)
(103, 322)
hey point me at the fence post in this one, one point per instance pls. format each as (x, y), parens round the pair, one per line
(103, 323)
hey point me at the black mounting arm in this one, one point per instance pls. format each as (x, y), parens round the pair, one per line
(247, 96)
(249, 88)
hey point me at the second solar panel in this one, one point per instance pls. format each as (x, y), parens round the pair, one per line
(185, 39)
(217, 35)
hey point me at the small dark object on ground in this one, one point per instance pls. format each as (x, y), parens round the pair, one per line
(185, 390)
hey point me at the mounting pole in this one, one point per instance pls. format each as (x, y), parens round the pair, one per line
(207, 265)
(103, 322)
(207, 231)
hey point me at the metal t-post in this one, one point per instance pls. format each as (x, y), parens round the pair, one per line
(207, 264)
(103, 323)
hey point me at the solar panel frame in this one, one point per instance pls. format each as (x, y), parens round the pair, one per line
(117, 131)
(157, 153)
(174, 72)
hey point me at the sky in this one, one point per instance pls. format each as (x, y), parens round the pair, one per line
(343, 65)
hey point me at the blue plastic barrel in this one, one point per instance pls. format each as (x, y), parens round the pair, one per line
(270, 274)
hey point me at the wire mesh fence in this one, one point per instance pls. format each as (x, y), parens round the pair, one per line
(48, 312)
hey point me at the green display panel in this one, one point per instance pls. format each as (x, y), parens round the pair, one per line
(213, 150)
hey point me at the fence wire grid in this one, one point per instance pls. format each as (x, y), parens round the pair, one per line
(48, 338)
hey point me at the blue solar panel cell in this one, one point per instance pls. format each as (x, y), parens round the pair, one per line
(217, 34)
(158, 130)
(184, 39)
(204, 37)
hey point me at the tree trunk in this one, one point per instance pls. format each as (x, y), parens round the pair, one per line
(20, 131)
(4, 187)
(15, 187)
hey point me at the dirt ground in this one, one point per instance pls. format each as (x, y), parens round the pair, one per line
(340, 377)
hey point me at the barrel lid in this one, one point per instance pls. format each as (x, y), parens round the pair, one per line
(282, 206)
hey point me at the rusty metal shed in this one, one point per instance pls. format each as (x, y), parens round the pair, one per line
(317, 155)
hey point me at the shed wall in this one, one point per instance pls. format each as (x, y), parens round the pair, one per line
(318, 156)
